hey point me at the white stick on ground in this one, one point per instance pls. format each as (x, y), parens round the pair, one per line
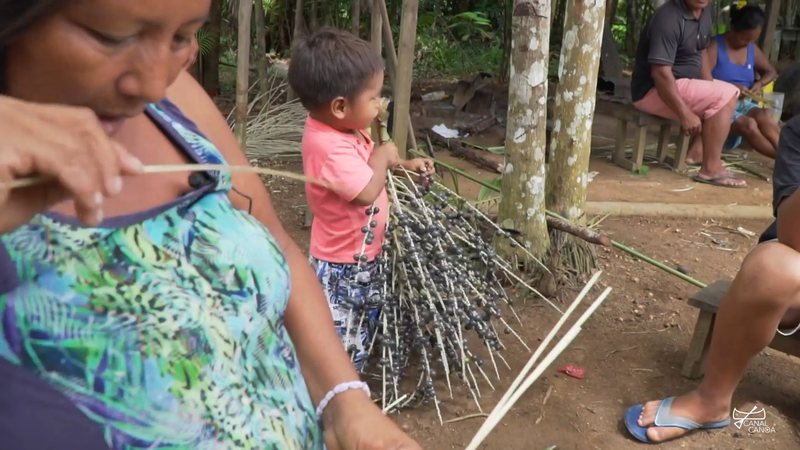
(502, 409)
(549, 337)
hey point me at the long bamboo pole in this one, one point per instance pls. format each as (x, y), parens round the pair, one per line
(631, 251)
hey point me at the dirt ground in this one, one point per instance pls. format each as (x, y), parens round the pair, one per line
(633, 347)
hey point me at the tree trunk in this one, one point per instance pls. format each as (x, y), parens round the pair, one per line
(403, 73)
(243, 71)
(522, 207)
(210, 60)
(376, 28)
(299, 22)
(299, 32)
(506, 63)
(260, 47)
(568, 171)
(630, 24)
(314, 19)
(355, 17)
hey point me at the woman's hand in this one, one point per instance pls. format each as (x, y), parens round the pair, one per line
(68, 147)
(357, 424)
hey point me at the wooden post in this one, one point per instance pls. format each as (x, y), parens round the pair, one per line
(243, 71)
(403, 71)
(522, 207)
(375, 22)
(391, 66)
(765, 41)
(355, 16)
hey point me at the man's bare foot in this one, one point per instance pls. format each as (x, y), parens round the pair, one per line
(691, 406)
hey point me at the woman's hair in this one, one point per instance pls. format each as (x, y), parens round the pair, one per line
(15, 17)
(746, 17)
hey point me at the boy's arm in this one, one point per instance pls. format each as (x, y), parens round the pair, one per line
(383, 158)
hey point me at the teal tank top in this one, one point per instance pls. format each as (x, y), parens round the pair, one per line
(165, 328)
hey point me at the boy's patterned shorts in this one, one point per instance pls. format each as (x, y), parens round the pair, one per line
(356, 327)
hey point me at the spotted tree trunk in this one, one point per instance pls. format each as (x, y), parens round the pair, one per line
(522, 207)
(570, 147)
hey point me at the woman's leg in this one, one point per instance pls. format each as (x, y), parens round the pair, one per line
(747, 127)
(766, 289)
(767, 124)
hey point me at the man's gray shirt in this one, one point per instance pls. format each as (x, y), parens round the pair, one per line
(672, 37)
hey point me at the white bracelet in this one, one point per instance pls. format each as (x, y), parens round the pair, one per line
(338, 389)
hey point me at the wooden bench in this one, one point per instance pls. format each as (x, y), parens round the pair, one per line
(626, 114)
(707, 301)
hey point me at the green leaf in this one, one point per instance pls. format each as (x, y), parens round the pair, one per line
(486, 193)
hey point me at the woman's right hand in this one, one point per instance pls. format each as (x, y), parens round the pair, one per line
(69, 147)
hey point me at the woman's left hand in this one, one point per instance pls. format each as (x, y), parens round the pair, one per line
(363, 426)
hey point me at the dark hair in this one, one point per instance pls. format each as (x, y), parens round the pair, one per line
(331, 63)
(747, 17)
(15, 17)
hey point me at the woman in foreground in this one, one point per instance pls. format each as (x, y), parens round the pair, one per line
(149, 311)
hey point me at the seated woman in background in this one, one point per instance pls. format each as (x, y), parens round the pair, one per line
(736, 59)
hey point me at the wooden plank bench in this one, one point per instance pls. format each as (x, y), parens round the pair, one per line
(626, 114)
(707, 301)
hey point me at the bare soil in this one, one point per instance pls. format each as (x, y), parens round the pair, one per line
(634, 346)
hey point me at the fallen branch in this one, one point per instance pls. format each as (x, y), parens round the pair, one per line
(479, 126)
(584, 233)
(462, 151)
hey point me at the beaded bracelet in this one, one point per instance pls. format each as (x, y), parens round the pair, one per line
(339, 389)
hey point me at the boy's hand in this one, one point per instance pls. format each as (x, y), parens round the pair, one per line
(422, 166)
(387, 151)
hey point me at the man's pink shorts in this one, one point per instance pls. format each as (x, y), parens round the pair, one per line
(705, 98)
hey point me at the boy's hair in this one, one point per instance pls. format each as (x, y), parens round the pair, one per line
(331, 63)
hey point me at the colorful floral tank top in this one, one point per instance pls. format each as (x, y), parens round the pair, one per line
(166, 329)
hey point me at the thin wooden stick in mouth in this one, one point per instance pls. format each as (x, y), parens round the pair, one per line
(170, 168)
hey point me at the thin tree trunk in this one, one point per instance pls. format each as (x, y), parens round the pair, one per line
(630, 24)
(355, 17)
(259, 47)
(522, 207)
(314, 19)
(376, 28)
(570, 148)
(210, 60)
(299, 22)
(243, 71)
(299, 32)
(506, 63)
(611, 11)
(403, 72)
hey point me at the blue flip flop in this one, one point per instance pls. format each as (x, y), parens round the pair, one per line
(665, 419)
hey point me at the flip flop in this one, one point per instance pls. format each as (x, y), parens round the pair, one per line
(664, 418)
(715, 181)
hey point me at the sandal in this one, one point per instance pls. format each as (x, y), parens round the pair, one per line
(718, 180)
(664, 418)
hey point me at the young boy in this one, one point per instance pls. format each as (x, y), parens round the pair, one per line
(338, 78)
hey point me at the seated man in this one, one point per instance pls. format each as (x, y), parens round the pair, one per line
(736, 58)
(764, 296)
(672, 79)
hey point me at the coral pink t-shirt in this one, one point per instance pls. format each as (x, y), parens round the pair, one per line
(341, 160)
